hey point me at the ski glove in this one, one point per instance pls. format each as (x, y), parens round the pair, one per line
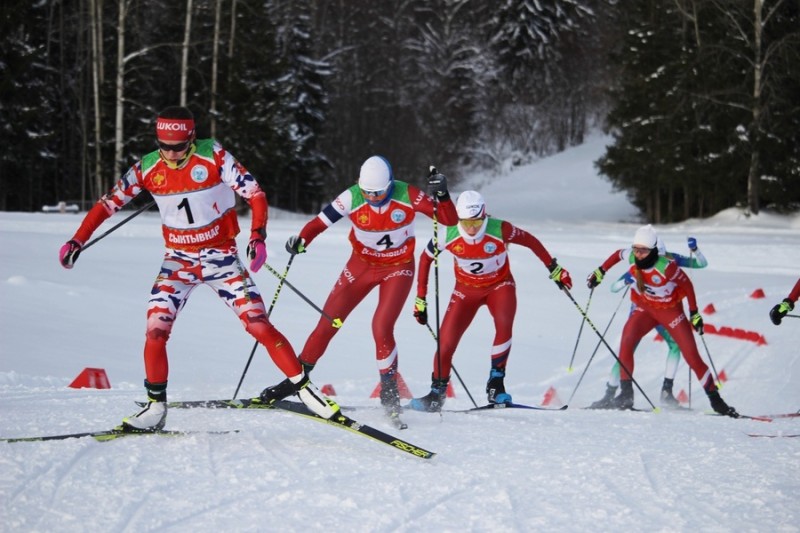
(692, 242)
(421, 310)
(777, 313)
(257, 253)
(69, 253)
(697, 321)
(296, 245)
(437, 186)
(594, 279)
(559, 275)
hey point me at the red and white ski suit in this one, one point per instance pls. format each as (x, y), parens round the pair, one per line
(383, 256)
(483, 277)
(660, 302)
(197, 206)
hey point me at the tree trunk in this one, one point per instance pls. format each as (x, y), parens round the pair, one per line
(755, 127)
(187, 35)
(120, 88)
(215, 67)
(96, 29)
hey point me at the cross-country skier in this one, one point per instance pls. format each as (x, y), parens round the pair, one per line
(659, 288)
(382, 211)
(194, 182)
(696, 259)
(479, 244)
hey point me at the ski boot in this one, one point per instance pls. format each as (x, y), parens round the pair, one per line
(606, 402)
(313, 399)
(154, 415)
(390, 396)
(495, 389)
(434, 400)
(668, 400)
(719, 406)
(624, 401)
(278, 392)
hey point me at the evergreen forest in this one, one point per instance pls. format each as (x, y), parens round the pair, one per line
(701, 98)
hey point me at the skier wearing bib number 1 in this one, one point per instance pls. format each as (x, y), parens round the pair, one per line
(193, 182)
(382, 211)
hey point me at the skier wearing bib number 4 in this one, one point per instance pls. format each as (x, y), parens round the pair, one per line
(194, 182)
(479, 244)
(382, 211)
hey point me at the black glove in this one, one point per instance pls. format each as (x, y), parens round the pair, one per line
(777, 313)
(437, 187)
(421, 310)
(559, 275)
(594, 279)
(697, 320)
(296, 245)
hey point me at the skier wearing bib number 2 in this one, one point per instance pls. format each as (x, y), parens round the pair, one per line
(382, 211)
(193, 182)
(479, 244)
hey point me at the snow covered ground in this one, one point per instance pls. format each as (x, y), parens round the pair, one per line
(512, 470)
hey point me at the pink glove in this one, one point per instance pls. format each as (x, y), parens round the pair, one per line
(257, 253)
(69, 253)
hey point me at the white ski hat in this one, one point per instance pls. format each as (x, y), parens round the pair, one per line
(376, 174)
(645, 236)
(470, 204)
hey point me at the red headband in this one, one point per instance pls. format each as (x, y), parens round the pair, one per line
(174, 129)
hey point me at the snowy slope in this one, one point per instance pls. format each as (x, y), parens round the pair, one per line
(574, 470)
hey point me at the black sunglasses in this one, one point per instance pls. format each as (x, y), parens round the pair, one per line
(173, 147)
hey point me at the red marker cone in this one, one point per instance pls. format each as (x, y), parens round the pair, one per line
(91, 378)
(551, 397)
(402, 388)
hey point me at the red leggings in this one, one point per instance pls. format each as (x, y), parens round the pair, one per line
(642, 320)
(500, 299)
(356, 281)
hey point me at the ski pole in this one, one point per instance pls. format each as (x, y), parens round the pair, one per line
(793, 316)
(598, 345)
(611, 350)
(710, 360)
(432, 172)
(269, 312)
(436, 338)
(335, 322)
(138, 212)
(580, 331)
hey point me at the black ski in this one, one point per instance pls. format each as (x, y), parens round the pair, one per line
(509, 405)
(112, 434)
(348, 423)
(340, 420)
(776, 436)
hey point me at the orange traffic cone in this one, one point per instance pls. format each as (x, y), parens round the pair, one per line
(91, 378)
